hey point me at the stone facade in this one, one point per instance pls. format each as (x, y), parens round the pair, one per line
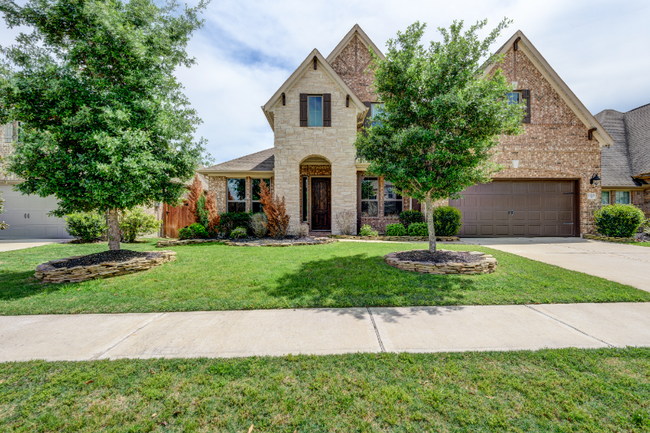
(294, 144)
(554, 144)
(486, 265)
(218, 185)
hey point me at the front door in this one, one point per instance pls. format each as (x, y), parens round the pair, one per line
(321, 204)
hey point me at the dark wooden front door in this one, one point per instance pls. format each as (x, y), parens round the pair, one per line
(321, 204)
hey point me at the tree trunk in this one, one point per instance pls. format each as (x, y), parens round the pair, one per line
(430, 226)
(114, 234)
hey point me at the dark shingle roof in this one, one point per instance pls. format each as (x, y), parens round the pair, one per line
(630, 154)
(259, 161)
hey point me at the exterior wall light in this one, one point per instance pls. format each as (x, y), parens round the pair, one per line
(595, 180)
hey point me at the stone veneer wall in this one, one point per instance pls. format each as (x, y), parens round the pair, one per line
(554, 145)
(646, 202)
(218, 185)
(293, 144)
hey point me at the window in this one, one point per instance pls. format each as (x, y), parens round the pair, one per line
(621, 197)
(236, 195)
(392, 200)
(376, 112)
(514, 98)
(315, 113)
(305, 198)
(255, 187)
(604, 197)
(369, 201)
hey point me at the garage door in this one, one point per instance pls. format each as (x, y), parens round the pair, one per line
(27, 217)
(518, 208)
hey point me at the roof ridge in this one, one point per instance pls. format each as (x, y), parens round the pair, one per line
(637, 108)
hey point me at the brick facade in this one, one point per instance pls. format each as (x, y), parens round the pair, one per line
(351, 66)
(554, 144)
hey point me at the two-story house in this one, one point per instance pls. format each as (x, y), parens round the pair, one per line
(550, 184)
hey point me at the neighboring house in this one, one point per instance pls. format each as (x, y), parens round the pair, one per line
(626, 164)
(548, 186)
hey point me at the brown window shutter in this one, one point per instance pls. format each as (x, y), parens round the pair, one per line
(327, 109)
(525, 94)
(366, 121)
(303, 109)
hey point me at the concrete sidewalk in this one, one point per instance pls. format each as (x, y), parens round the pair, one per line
(323, 331)
(21, 244)
(623, 263)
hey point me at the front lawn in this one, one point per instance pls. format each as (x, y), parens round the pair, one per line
(344, 274)
(568, 390)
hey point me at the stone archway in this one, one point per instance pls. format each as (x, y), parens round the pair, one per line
(316, 193)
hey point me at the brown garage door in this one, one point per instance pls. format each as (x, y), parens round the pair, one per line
(518, 208)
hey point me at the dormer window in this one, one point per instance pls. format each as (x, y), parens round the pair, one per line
(315, 112)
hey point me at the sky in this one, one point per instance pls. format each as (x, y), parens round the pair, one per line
(248, 48)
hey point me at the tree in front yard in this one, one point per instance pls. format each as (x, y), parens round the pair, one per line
(3, 173)
(442, 117)
(106, 125)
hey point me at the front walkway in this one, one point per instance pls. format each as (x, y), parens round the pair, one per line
(623, 263)
(323, 331)
(21, 244)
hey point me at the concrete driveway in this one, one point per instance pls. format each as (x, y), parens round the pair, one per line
(623, 263)
(18, 244)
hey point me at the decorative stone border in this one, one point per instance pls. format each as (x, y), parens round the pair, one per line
(609, 239)
(282, 243)
(398, 238)
(49, 274)
(486, 265)
(179, 242)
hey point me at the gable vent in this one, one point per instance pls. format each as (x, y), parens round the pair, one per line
(315, 62)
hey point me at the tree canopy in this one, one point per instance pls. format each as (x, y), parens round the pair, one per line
(442, 115)
(105, 123)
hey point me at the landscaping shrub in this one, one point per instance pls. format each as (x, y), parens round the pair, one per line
(213, 213)
(346, 221)
(409, 217)
(231, 220)
(258, 224)
(238, 233)
(301, 231)
(619, 220)
(446, 220)
(202, 214)
(196, 192)
(395, 230)
(86, 226)
(136, 222)
(276, 212)
(194, 231)
(366, 230)
(418, 229)
(646, 227)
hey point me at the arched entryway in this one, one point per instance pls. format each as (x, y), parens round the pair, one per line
(316, 193)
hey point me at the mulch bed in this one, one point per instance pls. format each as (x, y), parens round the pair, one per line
(445, 256)
(98, 258)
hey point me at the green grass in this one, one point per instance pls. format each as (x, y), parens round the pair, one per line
(568, 390)
(344, 274)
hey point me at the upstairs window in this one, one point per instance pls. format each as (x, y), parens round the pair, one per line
(392, 200)
(315, 113)
(376, 113)
(236, 195)
(519, 97)
(369, 197)
(255, 196)
(514, 98)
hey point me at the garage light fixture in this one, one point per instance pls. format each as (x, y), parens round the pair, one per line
(595, 180)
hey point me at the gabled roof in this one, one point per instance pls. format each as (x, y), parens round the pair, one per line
(307, 63)
(259, 162)
(356, 29)
(556, 82)
(629, 157)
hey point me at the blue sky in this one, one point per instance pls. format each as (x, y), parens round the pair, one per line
(247, 49)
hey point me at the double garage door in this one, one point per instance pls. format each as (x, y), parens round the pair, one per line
(519, 208)
(27, 217)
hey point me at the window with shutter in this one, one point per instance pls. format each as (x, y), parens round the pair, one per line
(327, 109)
(303, 110)
(525, 95)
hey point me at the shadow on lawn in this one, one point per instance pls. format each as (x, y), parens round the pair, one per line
(366, 281)
(17, 285)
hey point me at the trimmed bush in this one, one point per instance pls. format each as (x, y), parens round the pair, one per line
(409, 217)
(231, 220)
(446, 220)
(418, 229)
(85, 226)
(258, 224)
(137, 222)
(619, 220)
(194, 231)
(238, 233)
(185, 233)
(395, 230)
(366, 230)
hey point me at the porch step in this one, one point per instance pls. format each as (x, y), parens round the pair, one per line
(320, 234)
